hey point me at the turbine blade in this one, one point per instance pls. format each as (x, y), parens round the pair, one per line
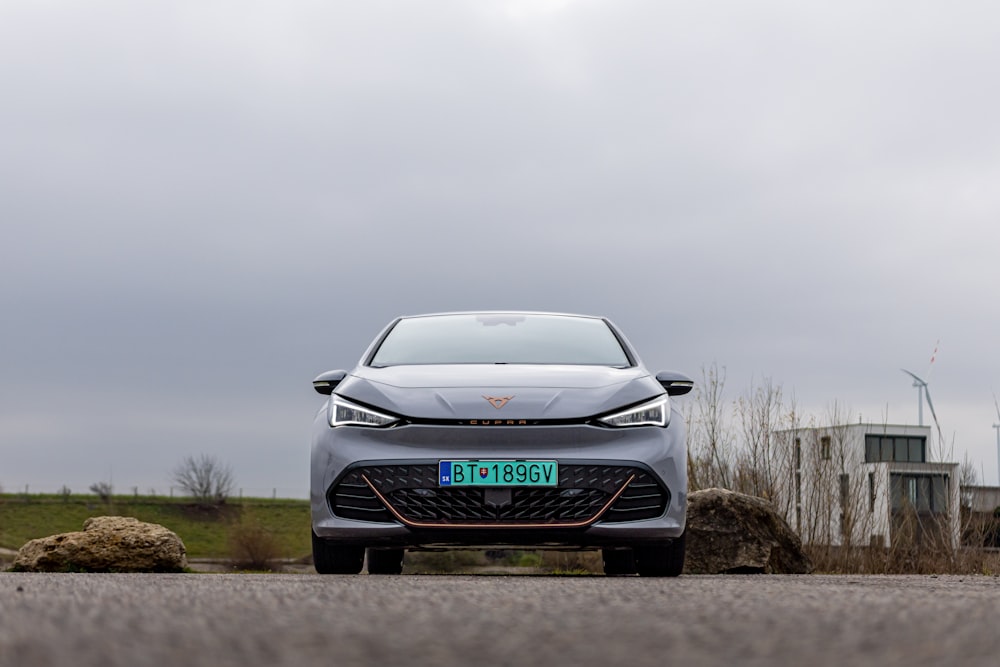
(998, 407)
(913, 376)
(930, 366)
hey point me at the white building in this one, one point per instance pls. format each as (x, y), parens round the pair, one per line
(981, 499)
(868, 485)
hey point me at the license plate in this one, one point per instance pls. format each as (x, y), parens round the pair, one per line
(498, 473)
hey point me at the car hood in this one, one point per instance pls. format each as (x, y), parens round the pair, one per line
(477, 391)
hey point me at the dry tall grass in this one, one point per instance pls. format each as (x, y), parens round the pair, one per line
(920, 546)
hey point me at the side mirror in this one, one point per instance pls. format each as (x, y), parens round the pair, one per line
(675, 383)
(325, 383)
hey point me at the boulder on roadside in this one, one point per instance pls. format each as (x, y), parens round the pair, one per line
(106, 544)
(733, 533)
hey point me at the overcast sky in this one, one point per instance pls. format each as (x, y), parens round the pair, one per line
(205, 204)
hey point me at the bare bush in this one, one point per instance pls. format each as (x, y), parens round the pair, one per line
(765, 459)
(103, 490)
(919, 546)
(254, 547)
(205, 478)
(710, 457)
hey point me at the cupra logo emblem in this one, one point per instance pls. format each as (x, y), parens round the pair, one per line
(498, 402)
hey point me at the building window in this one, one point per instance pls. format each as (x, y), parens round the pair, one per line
(846, 528)
(905, 449)
(798, 453)
(871, 492)
(824, 448)
(923, 493)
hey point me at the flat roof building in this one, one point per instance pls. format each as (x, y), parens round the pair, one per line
(868, 485)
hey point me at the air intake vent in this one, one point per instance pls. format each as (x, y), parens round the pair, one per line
(353, 499)
(643, 499)
(414, 497)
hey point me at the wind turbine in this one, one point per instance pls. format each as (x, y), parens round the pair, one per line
(923, 393)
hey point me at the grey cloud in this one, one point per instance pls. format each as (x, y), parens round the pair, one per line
(206, 205)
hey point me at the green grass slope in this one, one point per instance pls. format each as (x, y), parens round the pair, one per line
(205, 530)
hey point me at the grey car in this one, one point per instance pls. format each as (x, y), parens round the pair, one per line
(499, 430)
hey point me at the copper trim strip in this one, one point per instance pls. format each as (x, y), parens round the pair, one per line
(420, 524)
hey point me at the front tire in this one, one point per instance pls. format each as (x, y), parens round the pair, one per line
(336, 559)
(660, 559)
(385, 561)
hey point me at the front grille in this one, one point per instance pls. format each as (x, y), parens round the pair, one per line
(412, 491)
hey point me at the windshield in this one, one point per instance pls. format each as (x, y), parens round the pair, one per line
(501, 338)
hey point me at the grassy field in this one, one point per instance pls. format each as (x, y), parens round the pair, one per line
(206, 531)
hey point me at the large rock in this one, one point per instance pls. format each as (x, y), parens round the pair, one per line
(730, 532)
(107, 544)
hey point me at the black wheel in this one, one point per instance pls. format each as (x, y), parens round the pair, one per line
(385, 561)
(618, 561)
(336, 559)
(660, 559)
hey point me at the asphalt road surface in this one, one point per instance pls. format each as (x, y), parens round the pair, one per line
(220, 620)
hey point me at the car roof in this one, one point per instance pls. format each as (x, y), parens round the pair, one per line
(503, 312)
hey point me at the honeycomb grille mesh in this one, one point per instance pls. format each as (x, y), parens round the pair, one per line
(413, 491)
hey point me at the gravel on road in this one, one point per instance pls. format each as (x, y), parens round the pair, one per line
(244, 620)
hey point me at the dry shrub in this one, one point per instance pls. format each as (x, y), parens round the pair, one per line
(254, 547)
(573, 562)
(902, 560)
(981, 529)
(920, 545)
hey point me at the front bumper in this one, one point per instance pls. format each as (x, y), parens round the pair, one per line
(390, 473)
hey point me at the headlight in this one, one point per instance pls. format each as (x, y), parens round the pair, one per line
(652, 413)
(345, 413)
